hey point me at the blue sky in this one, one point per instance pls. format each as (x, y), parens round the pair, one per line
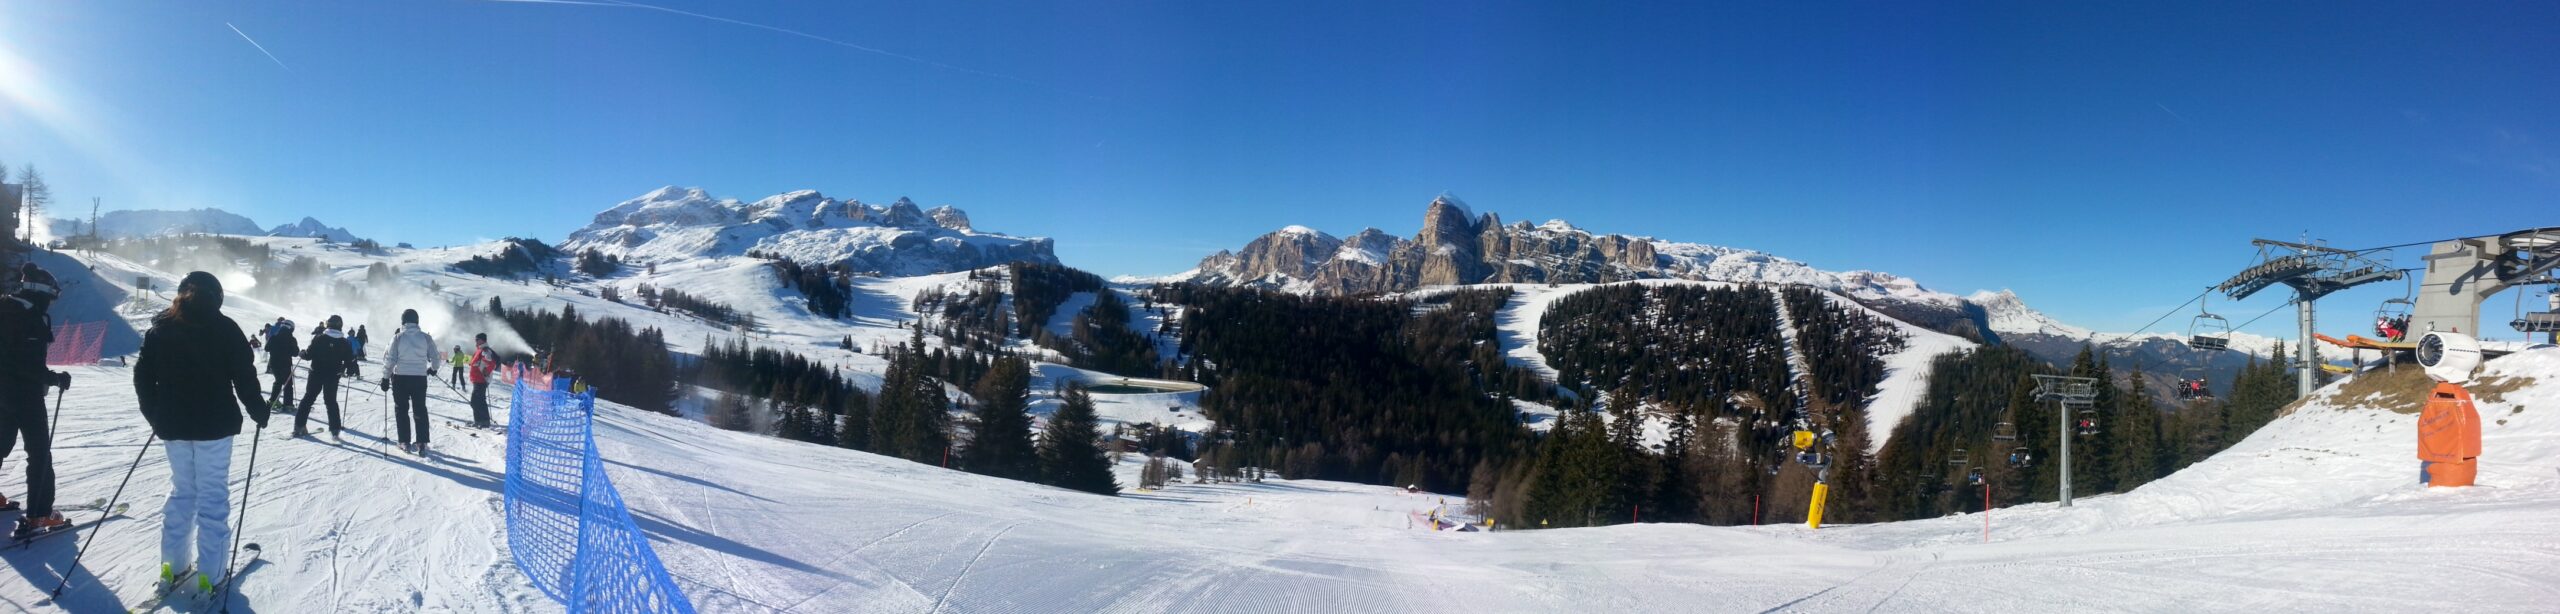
(2105, 162)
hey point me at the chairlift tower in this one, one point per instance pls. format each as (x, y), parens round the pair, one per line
(2312, 271)
(2461, 273)
(2075, 394)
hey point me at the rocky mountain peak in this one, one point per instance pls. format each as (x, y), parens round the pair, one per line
(950, 217)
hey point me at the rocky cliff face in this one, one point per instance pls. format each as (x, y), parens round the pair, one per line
(1458, 246)
(899, 239)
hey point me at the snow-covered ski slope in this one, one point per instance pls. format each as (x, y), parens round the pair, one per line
(2317, 513)
(1906, 379)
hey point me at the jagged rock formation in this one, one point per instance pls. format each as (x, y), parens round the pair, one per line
(898, 239)
(1458, 246)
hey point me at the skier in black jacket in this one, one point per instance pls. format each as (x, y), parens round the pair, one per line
(281, 350)
(330, 356)
(194, 377)
(25, 330)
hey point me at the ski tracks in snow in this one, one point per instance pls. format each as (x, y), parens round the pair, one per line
(945, 599)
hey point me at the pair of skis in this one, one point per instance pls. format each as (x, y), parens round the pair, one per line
(222, 590)
(19, 541)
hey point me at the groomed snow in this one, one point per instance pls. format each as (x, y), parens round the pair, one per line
(2317, 512)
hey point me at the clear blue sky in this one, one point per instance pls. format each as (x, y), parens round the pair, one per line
(2104, 162)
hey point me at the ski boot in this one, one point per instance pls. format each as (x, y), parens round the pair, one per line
(170, 576)
(29, 528)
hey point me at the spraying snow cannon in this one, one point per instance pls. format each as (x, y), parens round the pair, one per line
(2449, 428)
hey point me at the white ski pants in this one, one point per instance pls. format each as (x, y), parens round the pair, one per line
(199, 506)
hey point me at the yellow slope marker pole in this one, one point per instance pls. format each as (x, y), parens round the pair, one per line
(1813, 516)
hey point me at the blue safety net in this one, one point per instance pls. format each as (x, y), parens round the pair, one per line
(566, 524)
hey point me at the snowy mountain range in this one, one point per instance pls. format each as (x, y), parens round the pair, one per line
(132, 223)
(150, 222)
(1457, 246)
(898, 239)
(311, 228)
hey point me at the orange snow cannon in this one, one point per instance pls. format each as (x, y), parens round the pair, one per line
(2449, 430)
(2449, 437)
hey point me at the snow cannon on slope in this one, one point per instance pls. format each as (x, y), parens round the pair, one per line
(2449, 429)
(1814, 451)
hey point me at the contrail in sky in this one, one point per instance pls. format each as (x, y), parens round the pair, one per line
(2165, 108)
(783, 30)
(261, 48)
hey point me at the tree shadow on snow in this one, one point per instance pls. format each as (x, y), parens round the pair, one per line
(658, 527)
(686, 479)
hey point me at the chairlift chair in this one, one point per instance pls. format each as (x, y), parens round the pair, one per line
(2088, 422)
(2192, 384)
(1974, 477)
(1958, 458)
(2209, 332)
(2537, 322)
(2020, 458)
(2391, 320)
(2004, 432)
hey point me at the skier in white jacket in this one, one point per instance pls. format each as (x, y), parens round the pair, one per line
(412, 359)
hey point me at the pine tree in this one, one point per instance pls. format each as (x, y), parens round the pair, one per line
(1637, 467)
(909, 418)
(2136, 436)
(1000, 445)
(1071, 454)
(1675, 497)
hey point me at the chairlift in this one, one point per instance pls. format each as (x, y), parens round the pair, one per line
(2004, 431)
(1958, 458)
(2088, 422)
(2391, 320)
(1974, 477)
(2021, 458)
(2209, 332)
(2192, 384)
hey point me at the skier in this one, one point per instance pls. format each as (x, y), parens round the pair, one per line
(281, 350)
(412, 359)
(330, 358)
(483, 361)
(460, 362)
(355, 358)
(194, 364)
(25, 330)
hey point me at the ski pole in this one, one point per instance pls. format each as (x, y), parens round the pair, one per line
(241, 520)
(103, 513)
(55, 430)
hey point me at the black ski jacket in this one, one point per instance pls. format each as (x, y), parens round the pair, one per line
(281, 350)
(329, 355)
(194, 376)
(24, 333)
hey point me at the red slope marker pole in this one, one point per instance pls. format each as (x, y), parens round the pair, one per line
(1986, 512)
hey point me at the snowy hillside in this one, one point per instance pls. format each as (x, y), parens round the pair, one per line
(900, 239)
(2317, 512)
(1901, 392)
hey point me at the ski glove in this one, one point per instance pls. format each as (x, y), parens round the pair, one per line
(61, 380)
(386, 383)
